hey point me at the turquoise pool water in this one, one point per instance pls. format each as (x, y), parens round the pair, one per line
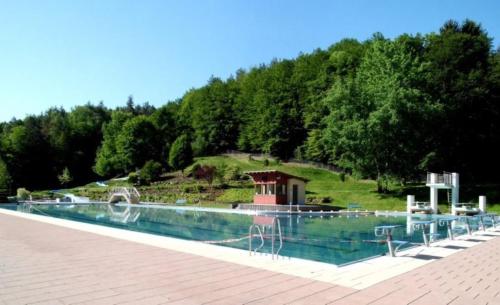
(332, 239)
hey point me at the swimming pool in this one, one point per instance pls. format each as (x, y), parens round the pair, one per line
(335, 239)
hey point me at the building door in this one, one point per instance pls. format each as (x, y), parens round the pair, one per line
(295, 194)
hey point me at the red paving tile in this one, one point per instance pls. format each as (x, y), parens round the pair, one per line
(46, 264)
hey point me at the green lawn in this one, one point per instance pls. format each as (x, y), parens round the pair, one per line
(326, 184)
(324, 187)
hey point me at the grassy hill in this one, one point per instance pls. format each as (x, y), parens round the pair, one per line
(325, 187)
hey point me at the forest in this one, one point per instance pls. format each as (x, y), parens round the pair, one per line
(384, 109)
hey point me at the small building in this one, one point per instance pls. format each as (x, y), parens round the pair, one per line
(277, 188)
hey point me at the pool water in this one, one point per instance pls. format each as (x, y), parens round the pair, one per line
(335, 239)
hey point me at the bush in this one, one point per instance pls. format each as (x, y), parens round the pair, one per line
(342, 177)
(326, 200)
(207, 173)
(23, 194)
(220, 172)
(133, 178)
(65, 177)
(191, 171)
(232, 172)
(181, 154)
(266, 162)
(150, 172)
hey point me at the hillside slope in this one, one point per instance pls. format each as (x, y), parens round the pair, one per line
(324, 187)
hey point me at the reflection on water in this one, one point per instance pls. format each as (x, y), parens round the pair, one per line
(332, 239)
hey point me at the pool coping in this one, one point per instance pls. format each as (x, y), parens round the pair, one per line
(358, 275)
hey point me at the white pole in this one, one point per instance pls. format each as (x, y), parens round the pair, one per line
(482, 204)
(410, 201)
(433, 178)
(434, 199)
(455, 188)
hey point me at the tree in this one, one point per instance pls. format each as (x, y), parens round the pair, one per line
(65, 177)
(27, 154)
(5, 179)
(374, 117)
(207, 173)
(274, 122)
(108, 161)
(181, 154)
(168, 127)
(150, 172)
(137, 143)
(86, 125)
(209, 111)
(459, 59)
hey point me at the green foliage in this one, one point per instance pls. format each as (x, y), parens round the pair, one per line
(191, 170)
(150, 172)
(133, 178)
(386, 109)
(65, 177)
(181, 154)
(342, 176)
(232, 172)
(207, 173)
(5, 179)
(23, 194)
(109, 162)
(137, 143)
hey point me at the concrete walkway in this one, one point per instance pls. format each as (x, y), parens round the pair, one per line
(42, 263)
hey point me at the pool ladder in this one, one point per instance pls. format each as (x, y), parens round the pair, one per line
(261, 233)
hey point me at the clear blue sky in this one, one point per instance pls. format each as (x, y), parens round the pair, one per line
(65, 53)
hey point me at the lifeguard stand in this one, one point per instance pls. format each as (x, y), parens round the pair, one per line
(447, 181)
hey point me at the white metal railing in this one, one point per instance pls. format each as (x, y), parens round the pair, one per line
(274, 226)
(131, 195)
(444, 178)
(128, 191)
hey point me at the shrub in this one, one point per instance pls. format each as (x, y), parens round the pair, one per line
(181, 154)
(326, 200)
(207, 173)
(232, 172)
(23, 194)
(220, 172)
(191, 171)
(266, 162)
(65, 177)
(133, 178)
(150, 172)
(342, 177)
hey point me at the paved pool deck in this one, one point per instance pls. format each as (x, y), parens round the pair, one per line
(51, 261)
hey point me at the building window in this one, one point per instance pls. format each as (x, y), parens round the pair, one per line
(258, 189)
(270, 189)
(281, 189)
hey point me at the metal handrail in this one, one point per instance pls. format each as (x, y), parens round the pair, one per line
(250, 230)
(128, 193)
(261, 233)
(444, 178)
(276, 221)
